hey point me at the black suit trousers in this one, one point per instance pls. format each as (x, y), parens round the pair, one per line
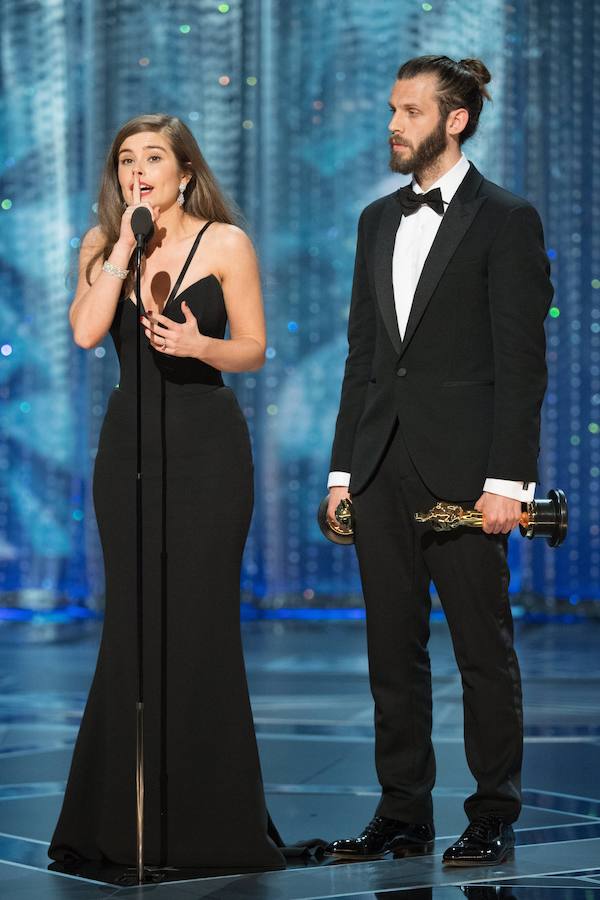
(398, 558)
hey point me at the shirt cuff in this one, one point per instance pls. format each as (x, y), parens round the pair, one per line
(516, 490)
(338, 479)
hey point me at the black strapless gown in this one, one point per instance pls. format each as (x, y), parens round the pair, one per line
(205, 805)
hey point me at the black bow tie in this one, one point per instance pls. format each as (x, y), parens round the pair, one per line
(411, 201)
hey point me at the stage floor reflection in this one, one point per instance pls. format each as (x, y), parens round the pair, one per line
(313, 717)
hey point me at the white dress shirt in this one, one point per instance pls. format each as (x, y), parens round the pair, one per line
(414, 238)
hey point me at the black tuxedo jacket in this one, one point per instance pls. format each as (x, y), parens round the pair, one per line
(468, 380)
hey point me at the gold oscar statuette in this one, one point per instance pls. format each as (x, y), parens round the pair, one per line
(541, 518)
(340, 530)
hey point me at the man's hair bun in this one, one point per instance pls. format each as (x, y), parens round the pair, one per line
(480, 71)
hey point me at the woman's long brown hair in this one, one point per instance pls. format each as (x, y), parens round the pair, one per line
(203, 196)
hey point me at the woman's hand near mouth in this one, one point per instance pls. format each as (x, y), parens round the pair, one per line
(126, 236)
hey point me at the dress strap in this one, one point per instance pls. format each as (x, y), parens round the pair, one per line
(186, 264)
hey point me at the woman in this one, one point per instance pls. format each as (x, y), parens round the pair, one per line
(204, 798)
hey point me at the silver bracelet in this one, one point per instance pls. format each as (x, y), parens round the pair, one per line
(115, 270)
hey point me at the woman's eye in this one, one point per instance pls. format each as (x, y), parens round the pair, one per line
(152, 158)
(126, 161)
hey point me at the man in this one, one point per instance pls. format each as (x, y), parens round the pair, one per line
(441, 399)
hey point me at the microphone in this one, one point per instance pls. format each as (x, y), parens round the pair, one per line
(142, 226)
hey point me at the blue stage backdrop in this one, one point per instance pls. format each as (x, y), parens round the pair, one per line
(288, 101)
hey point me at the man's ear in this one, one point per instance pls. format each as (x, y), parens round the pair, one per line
(457, 121)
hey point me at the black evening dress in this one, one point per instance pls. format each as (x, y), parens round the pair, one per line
(205, 805)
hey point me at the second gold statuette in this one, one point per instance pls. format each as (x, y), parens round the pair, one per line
(340, 531)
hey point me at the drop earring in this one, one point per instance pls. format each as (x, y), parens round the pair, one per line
(181, 198)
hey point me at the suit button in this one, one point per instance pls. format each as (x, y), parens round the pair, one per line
(401, 372)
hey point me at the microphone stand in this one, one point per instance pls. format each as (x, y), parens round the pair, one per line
(143, 231)
(139, 705)
(141, 873)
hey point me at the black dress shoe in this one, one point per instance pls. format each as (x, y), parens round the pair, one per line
(383, 836)
(487, 841)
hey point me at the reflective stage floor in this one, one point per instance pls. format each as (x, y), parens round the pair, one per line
(313, 717)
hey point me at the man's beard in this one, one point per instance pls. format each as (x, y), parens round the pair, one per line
(425, 154)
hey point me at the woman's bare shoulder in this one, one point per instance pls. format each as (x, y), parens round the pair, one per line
(230, 237)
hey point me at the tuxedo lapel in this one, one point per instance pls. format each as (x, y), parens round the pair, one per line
(457, 219)
(384, 251)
